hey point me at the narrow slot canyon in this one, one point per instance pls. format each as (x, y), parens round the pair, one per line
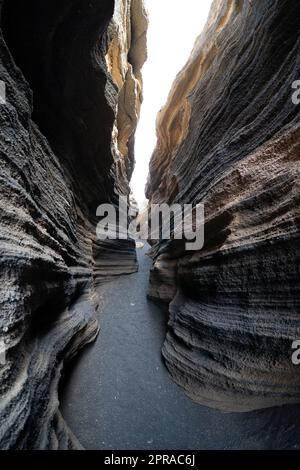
(119, 343)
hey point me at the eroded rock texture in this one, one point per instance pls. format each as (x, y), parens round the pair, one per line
(229, 137)
(66, 146)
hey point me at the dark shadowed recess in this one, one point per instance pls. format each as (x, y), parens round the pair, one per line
(57, 44)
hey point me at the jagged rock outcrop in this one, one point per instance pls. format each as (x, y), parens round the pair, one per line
(229, 137)
(66, 146)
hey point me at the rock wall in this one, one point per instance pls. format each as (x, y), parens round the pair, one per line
(229, 137)
(66, 146)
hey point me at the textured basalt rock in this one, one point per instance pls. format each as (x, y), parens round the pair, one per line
(229, 137)
(60, 159)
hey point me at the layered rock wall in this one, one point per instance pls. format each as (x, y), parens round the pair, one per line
(229, 137)
(65, 148)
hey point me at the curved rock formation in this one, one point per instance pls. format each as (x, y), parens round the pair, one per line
(229, 137)
(60, 159)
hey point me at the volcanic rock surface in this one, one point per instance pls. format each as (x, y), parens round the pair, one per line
(229, 137)
(73, 82)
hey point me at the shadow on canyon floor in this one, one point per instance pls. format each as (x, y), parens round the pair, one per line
(119, 395)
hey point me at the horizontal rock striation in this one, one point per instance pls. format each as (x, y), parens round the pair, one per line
(229, 137)
(61, 157)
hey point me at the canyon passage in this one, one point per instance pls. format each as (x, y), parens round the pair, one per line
(103, 346)
(119, 395)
